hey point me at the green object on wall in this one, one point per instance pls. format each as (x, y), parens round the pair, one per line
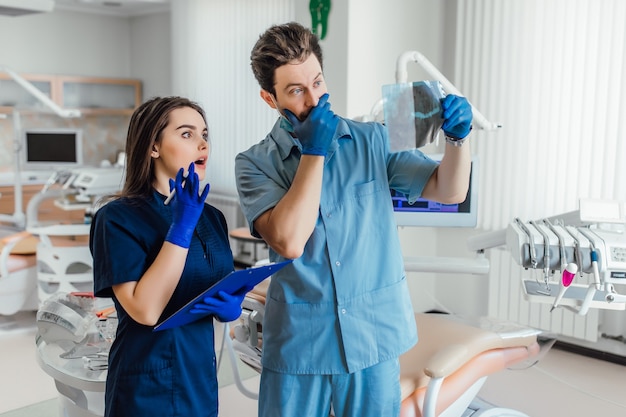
(320, 9)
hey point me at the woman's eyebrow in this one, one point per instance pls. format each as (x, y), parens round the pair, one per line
(186, 126)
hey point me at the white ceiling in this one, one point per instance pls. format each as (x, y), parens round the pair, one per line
(126, 8)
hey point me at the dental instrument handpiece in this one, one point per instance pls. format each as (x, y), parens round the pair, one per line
(546, 252)
(51, 180)
(531, 242)
(577, 253)
(173, 192)
(594, 261)
(566, 279)
(594, 268)
(562, 255)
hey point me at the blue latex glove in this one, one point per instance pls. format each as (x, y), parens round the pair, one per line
(457, 115)
(316, 131)
(225, 307)
(187, 206)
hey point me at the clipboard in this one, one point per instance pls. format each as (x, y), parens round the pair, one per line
(231, 283)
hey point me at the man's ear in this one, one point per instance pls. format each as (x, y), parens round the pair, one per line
(268, 98)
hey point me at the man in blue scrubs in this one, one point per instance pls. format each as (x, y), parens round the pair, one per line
(316, 189)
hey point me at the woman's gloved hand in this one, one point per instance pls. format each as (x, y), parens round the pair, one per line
(187, 206)
(225, 307)
(457, 115)
(316, 131)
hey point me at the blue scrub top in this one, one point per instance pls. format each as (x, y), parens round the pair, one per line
(344, 305)
(170, 372)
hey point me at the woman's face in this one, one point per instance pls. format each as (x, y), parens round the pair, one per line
(183, 141)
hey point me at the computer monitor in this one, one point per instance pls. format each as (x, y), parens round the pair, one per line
(52, 148)
(425, 213)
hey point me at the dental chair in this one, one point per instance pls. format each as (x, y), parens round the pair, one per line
(18, 273)
(44, 259)
(40, 262)
(64, 262)
(442, 374)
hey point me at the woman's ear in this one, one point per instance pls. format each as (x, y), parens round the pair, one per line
(155, 152)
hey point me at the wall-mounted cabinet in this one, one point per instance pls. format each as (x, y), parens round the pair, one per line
(100, 95)
(91, 95)
(14, 95)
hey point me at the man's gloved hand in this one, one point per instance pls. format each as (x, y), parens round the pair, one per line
(316, 131)
(225, 307)
(457, 115)
(187, 206)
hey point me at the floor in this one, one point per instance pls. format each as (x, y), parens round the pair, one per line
(562, 383)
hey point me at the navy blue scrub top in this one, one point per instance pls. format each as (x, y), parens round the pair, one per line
(170, 372)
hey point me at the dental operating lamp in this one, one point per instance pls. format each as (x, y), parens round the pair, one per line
(402, 62)
(414, 56)
(18, 217)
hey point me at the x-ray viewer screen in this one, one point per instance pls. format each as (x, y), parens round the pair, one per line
(426, 213)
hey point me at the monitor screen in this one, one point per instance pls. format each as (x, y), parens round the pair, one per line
(52, 148)
(426, 213)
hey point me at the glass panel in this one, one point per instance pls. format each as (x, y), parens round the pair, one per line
(14, 95)
(98, 96)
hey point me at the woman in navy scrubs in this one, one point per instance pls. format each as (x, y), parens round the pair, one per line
(152, 258)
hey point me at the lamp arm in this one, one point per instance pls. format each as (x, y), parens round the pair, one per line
(414, 56)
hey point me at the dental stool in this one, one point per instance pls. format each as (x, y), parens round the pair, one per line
(18, 274)
(442, 374)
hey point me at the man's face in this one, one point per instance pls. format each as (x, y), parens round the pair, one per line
(298, 87)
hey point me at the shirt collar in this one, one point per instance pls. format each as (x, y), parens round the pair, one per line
(286, 143)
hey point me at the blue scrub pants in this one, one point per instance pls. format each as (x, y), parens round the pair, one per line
(372, 392)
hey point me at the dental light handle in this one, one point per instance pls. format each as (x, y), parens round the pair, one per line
(566, 280)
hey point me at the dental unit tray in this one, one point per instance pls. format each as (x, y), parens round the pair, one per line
(535, 291)
(231, 284)
(593, 239)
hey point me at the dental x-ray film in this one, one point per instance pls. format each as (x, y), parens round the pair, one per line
(412, 113)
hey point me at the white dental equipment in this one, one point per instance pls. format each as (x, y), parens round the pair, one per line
(593, 238)
(72, 348)
(18, 217)
(88, 184)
